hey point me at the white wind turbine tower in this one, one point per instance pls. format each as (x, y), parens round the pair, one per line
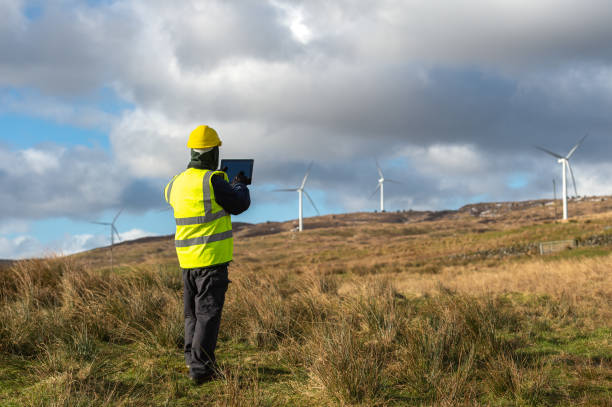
(301, 190)
(565, 165)
(381, 187)
(113, 233)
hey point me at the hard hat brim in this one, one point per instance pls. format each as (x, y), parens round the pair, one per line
(196, 145)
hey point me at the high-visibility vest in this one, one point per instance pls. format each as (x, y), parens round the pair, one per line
(203, 228)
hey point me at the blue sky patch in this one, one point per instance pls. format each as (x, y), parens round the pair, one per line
(517, 181)
(21, 132)
(33, 11)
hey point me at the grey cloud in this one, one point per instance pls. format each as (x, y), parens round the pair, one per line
(142, 195)
(353, 105)
(502, 35)
(22, 247)
(68, 50)
(388, 79)
(255, 30)
(399, 94)
(56, 182)
(78, 183)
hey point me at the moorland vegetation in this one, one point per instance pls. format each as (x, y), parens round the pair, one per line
(445, 311)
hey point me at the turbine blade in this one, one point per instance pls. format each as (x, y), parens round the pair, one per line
(573, 150)
(573, 179)
(392, 180)
(117, 215)
(116, 233)
(306, 176)
(380, 173)
(549, 152)
(312, 202)
(100, 223)
(376, 190)
(285, 190)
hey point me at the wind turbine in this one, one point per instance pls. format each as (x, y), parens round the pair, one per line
(113, 233)
(381, 186)
(301, 190)
(555, 196)
(565, 165)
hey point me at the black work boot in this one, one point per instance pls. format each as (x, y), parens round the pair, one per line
(205, 378)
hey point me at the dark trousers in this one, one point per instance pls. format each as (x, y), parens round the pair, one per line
(204, 295)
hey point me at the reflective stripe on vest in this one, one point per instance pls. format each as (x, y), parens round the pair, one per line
(168, 189)
(203, 228)
(203, 239)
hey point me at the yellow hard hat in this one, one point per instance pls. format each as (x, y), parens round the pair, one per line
(203, 137)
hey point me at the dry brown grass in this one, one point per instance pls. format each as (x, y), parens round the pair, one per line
(364, 314)
(47, 300)
(377, 345)
(584, 280)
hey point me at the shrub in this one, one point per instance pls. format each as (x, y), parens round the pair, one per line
(447, 341)
(348, 367)
(46, 301)
(241, 388)
(264, 310)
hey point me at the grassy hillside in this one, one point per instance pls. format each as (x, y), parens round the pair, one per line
(410, 308)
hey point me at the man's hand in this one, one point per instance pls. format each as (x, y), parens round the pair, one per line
(241, 178)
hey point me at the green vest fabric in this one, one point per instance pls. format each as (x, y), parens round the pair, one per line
(203, 229)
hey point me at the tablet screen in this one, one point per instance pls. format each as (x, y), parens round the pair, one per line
(235, 167)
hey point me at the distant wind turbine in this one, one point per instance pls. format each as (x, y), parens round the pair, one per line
(554, 189)
(381, 187)
(113, 233)
(565, 165)
(301, 190)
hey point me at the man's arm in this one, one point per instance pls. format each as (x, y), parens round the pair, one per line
(234, 198)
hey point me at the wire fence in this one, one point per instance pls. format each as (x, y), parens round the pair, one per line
(556, 246)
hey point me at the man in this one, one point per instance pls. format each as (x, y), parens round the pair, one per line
(203, 200)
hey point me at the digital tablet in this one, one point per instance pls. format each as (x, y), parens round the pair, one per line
(234, 167)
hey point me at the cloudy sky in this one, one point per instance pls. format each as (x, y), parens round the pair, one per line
(97, 99)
